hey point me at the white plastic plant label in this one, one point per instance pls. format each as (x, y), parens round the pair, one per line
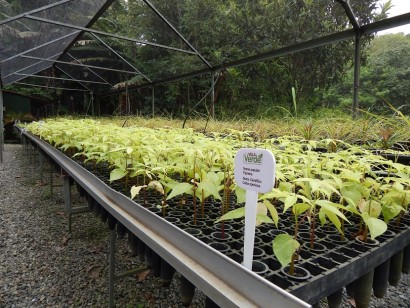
(255, 172)
(255, 169)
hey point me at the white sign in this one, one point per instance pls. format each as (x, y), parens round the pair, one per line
(255, 169)
(255, 172)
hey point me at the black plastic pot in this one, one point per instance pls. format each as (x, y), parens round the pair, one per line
(111, 222)
(167, 272)
(221, 236)
(156, 264)
(406, 260)
(381, 279)
(221, 247)
(90, 203)
(334, 300)
(103, 214)
(187, 291)
(133, 244)
(301, 274)
(259, 268)
(80, 190)
(148, 256)
(121, 230)
(363, 290)
(141, 250)
(396, 262)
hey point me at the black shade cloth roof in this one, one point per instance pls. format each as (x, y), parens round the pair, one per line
(24, 41)
(39, 34)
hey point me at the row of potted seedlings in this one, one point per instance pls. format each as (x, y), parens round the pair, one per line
(327, 207)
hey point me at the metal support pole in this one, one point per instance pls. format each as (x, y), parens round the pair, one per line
(51, 183)
(356, 87)
(2, 124)
(213, 95)
(67, 199)
(111, 268)
(153, 102)
(41, 164)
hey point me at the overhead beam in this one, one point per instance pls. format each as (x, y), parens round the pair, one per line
(60, 78)
(90, 70)
(314, 43)
(73, 79)
(387, 23)
(119, 56)
(350, 14)
(158, 13)
(43, 8)
(56, 88)
(40, 46)
(142, 42)
(81, 64)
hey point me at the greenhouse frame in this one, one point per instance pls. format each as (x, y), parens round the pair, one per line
(57, 26)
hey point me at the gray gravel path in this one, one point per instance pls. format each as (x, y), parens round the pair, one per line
(41, 265)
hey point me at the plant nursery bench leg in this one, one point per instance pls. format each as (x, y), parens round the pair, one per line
(111, 269)
(70, 210)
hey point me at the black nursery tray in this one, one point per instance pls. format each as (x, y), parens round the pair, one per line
(332, 265)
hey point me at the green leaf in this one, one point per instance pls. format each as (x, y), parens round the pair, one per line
(333, 218)
(300, 208)
(237, 213)
(117, 174)
(289, 202)
(331, 207)
(284, 246)
(240, 194)
(376, 226)
(352, 192)
(390, 211)
(273, 212)
(373, 208)
(179, 189)
(262, 218)
(210, 187)
(135, 190)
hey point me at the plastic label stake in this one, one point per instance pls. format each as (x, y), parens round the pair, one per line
(254, 172)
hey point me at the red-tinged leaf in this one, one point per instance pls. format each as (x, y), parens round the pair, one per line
(65, 240)
(143, 275)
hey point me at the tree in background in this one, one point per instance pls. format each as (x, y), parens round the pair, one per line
(385, 76)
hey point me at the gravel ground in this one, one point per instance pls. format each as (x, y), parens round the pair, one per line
(41, 265)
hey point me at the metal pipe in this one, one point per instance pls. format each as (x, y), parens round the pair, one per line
(40, 46)
(31, 65)
(350, 14)
(356, 82)
(60, 78)
(119, 56)
(158, 13)
(43, 8)
(80, 64)
(90, 70)
(73, 79)
(1, 123)
(62, 24)
(153, 102)
(111, 269)
(67, 199)
(56, 88)
(213, 95)
(218, 276)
